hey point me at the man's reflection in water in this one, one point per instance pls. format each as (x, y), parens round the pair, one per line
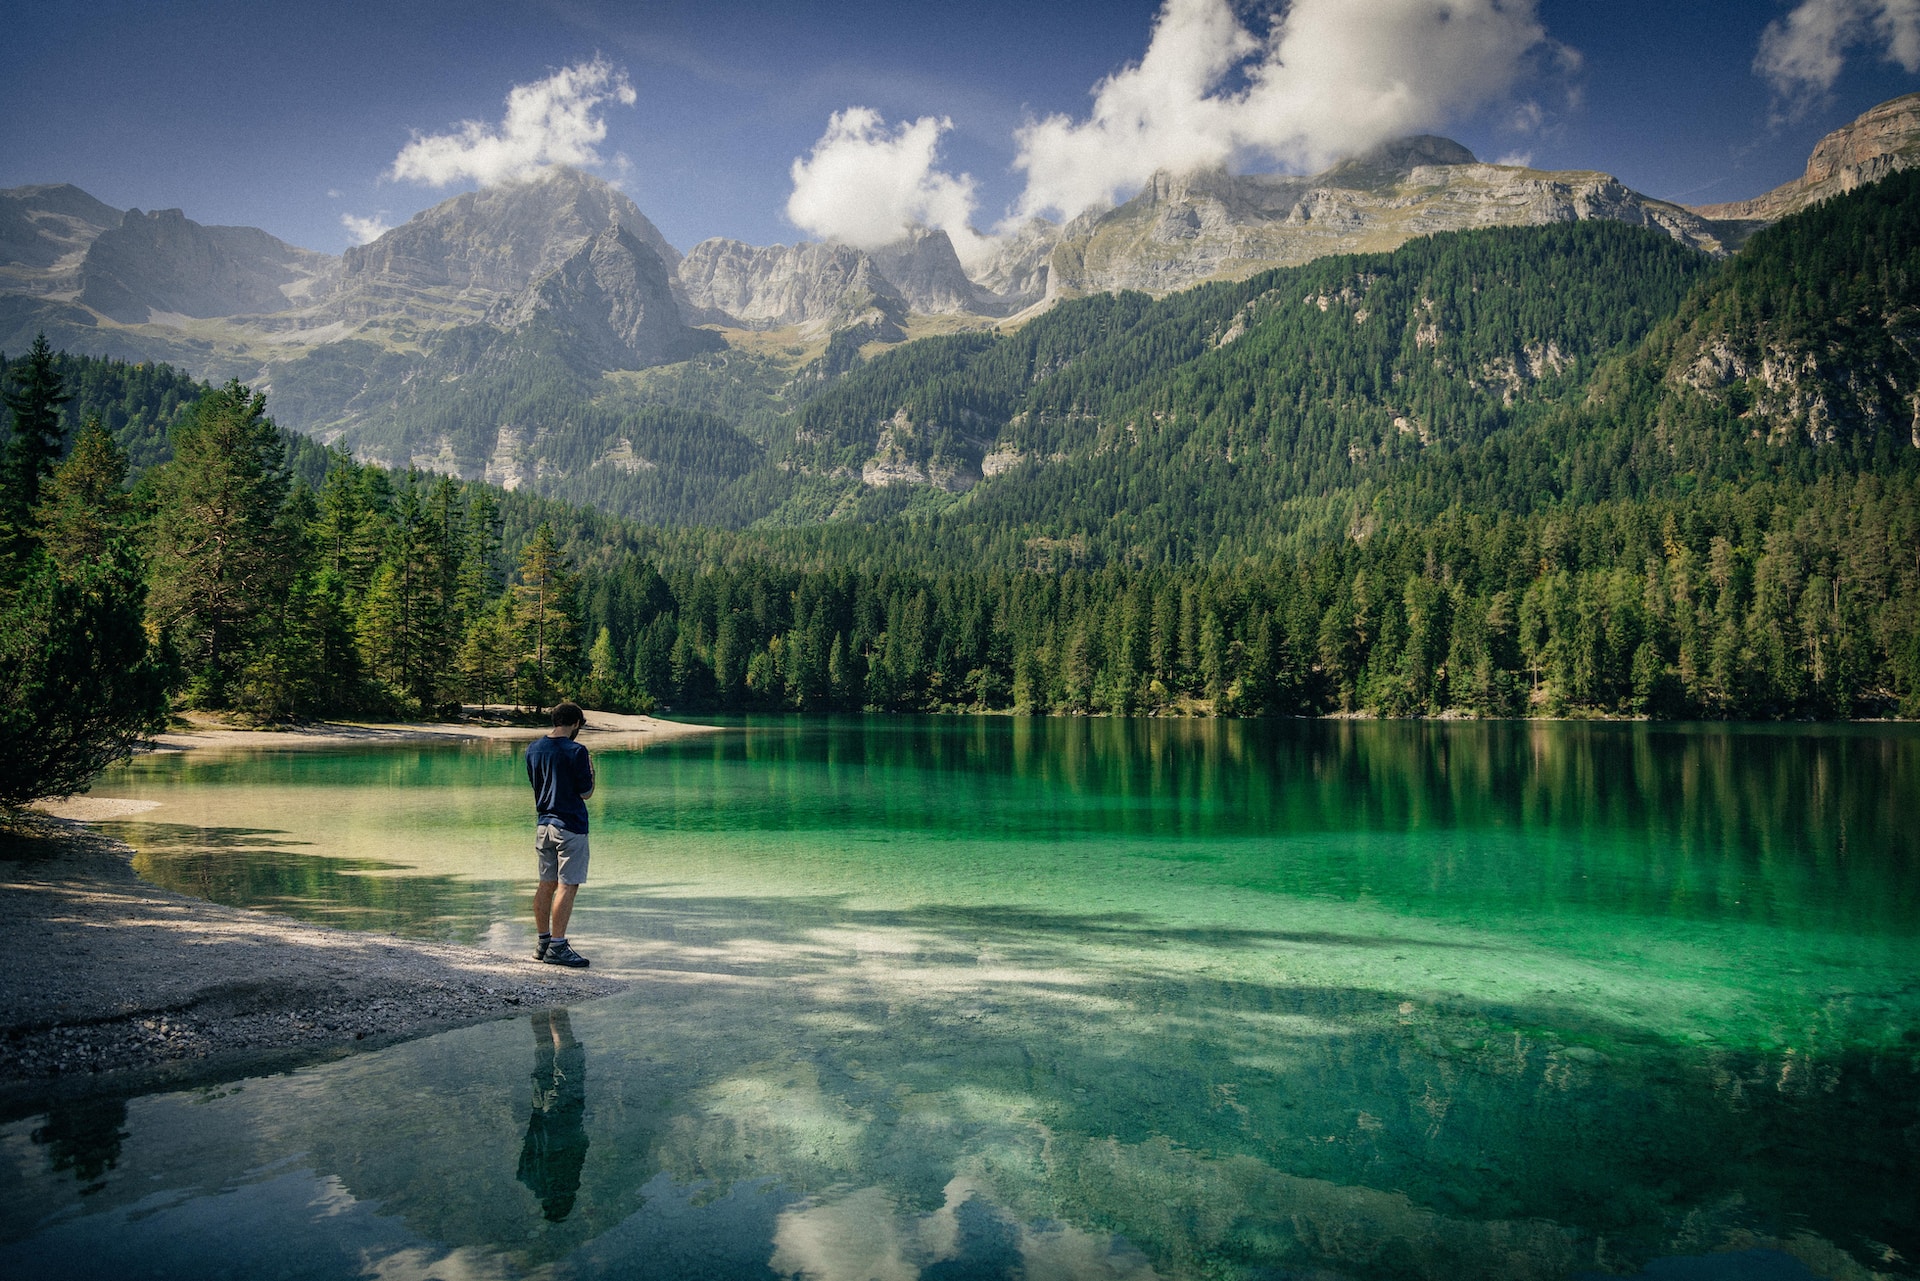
(84, 1137)
(556, 1145)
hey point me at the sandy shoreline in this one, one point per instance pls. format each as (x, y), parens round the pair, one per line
(118, 984)
(604, 729)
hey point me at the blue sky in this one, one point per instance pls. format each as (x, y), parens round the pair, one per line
(289, 117)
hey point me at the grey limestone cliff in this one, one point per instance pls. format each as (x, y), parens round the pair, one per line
(927, 273)
(45, 232)
(826, 286)
(612, 303)
(455, 260)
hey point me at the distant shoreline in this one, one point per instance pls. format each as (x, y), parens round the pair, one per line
(603, 729)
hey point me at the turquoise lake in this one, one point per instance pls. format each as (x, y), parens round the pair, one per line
(953, 998)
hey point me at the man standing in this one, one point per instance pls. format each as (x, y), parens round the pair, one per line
(562, 776)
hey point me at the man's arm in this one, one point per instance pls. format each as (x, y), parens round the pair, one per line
(587, 790)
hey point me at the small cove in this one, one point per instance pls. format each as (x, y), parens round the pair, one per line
(941, 997)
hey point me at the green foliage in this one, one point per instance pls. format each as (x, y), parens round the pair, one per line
(33, 401)
(222, 555)
(80, 685)
(80, 682)
(1433, 482)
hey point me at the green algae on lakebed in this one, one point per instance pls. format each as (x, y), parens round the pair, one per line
(1199, 998)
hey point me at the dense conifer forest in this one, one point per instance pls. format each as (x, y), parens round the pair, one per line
(1569, 470)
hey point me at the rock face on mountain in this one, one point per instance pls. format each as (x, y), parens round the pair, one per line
(826, 286)
(457, 259)
(612, 304)
(1015, 276)
(165, 262)
(1882, 141)
(928, 274)
(44, 235)
(1209, 225)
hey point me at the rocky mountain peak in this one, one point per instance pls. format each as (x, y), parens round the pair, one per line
(925, 269)
(480, 245)
(1393, 161)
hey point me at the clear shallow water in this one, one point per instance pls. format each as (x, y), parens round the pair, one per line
(1067, 999)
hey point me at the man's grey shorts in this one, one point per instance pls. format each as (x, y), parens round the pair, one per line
(563, 854)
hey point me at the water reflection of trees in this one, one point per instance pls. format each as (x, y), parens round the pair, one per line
(1795, 826)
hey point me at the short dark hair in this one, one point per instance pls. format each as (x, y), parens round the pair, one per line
(568, 714)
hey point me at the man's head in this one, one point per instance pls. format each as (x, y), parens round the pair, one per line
(568, 719)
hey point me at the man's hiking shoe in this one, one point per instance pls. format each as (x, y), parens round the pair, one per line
(540, 950)
(563, 954)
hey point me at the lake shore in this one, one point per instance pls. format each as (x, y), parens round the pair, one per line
(118, 984)
(603, 729)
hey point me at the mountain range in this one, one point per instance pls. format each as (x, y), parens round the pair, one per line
(545, 333)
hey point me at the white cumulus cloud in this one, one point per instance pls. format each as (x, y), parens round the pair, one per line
(865, 184)
(366, 230)
(1329, 78)
(556, 121)
(1802, 54)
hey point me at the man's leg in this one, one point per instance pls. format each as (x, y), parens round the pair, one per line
(562, 907)
(543, 906)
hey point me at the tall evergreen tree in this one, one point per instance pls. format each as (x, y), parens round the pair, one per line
(84, 506)
(547, 625)
(34, 401)
(80, 682)
(220, 553)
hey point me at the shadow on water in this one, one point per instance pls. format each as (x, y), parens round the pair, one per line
(264, 868)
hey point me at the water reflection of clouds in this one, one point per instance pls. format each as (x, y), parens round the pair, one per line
(863, 1235)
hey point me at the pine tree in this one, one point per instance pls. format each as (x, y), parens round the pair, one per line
(80, 682)
(34, 447)
(546, 625)
(84, 507)
(220, 557)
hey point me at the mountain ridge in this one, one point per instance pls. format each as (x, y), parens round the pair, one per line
(1878, 142)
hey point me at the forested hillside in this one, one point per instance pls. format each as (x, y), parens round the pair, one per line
(1565, 470)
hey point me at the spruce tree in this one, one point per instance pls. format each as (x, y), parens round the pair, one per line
(220, 556)
(80, 682)
(547, 625)
(34, 401)
(84, 505)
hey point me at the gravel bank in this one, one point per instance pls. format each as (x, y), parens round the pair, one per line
(113, 979)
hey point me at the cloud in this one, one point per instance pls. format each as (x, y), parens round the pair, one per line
(556, 121)
(865, 184)
(1802, 55)
(1330, 78)
(366, 230)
